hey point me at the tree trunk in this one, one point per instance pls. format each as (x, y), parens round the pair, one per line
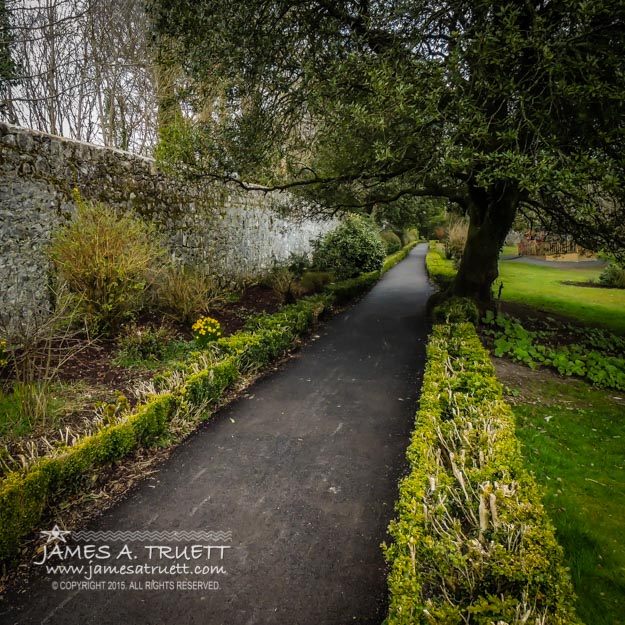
(491, 215)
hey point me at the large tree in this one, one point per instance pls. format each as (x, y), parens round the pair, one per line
(496, 106)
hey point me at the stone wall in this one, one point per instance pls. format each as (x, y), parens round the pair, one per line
(227, 231)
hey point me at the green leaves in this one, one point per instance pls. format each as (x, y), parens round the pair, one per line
(354, 247)
(595, 354)
(361, 104)
(472, 542)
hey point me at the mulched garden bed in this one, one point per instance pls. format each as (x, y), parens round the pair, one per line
(92, 378)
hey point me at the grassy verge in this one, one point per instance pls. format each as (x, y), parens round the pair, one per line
(544, 288)
(573, 437)
(472, 541)
(186, 393)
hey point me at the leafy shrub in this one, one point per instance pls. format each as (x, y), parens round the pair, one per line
(315, 281)
(456, 310)
(107, 260)
(613, 276)
(595, 355)
(142, 343)
(346, 290)
(391, 241)
(409, 236)
(282, 281)
(298, 264)
(185, 292)
(397, 257)
(353, 248)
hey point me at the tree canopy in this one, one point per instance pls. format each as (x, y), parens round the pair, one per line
(499, 107)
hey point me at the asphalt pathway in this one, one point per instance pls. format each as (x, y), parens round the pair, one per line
(300, 475)
(556, 264)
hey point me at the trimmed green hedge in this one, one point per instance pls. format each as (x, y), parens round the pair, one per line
(26, 495)
(472, 541)
(347, 290)
(441, 271)
(395, 258)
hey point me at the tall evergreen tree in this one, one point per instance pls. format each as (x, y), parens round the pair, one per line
(499, 107)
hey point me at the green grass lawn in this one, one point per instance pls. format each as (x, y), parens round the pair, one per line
(543, 288)
(574, 441)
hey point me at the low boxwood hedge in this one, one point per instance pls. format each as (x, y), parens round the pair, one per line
(393, 259)
(441, 272)
(472, 543)
(26, 495)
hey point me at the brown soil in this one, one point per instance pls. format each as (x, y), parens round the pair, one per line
(531, 316)
(521, 380)
(94, 378)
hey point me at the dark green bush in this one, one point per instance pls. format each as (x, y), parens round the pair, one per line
(346, 290)
(397, 257)
(391, 241)
(354, 247)
(613, 276)
(456, 310)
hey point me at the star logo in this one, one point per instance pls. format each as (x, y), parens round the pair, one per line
(55, 534)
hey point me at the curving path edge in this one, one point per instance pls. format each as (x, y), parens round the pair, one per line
(302, 471)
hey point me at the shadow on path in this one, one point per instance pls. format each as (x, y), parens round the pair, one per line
(302, 471)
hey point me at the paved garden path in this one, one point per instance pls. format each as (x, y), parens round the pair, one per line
(556, 264)
(302, 471)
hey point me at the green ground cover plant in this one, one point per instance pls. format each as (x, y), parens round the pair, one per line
(593, 354)
(472, 542)
(573, 437)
